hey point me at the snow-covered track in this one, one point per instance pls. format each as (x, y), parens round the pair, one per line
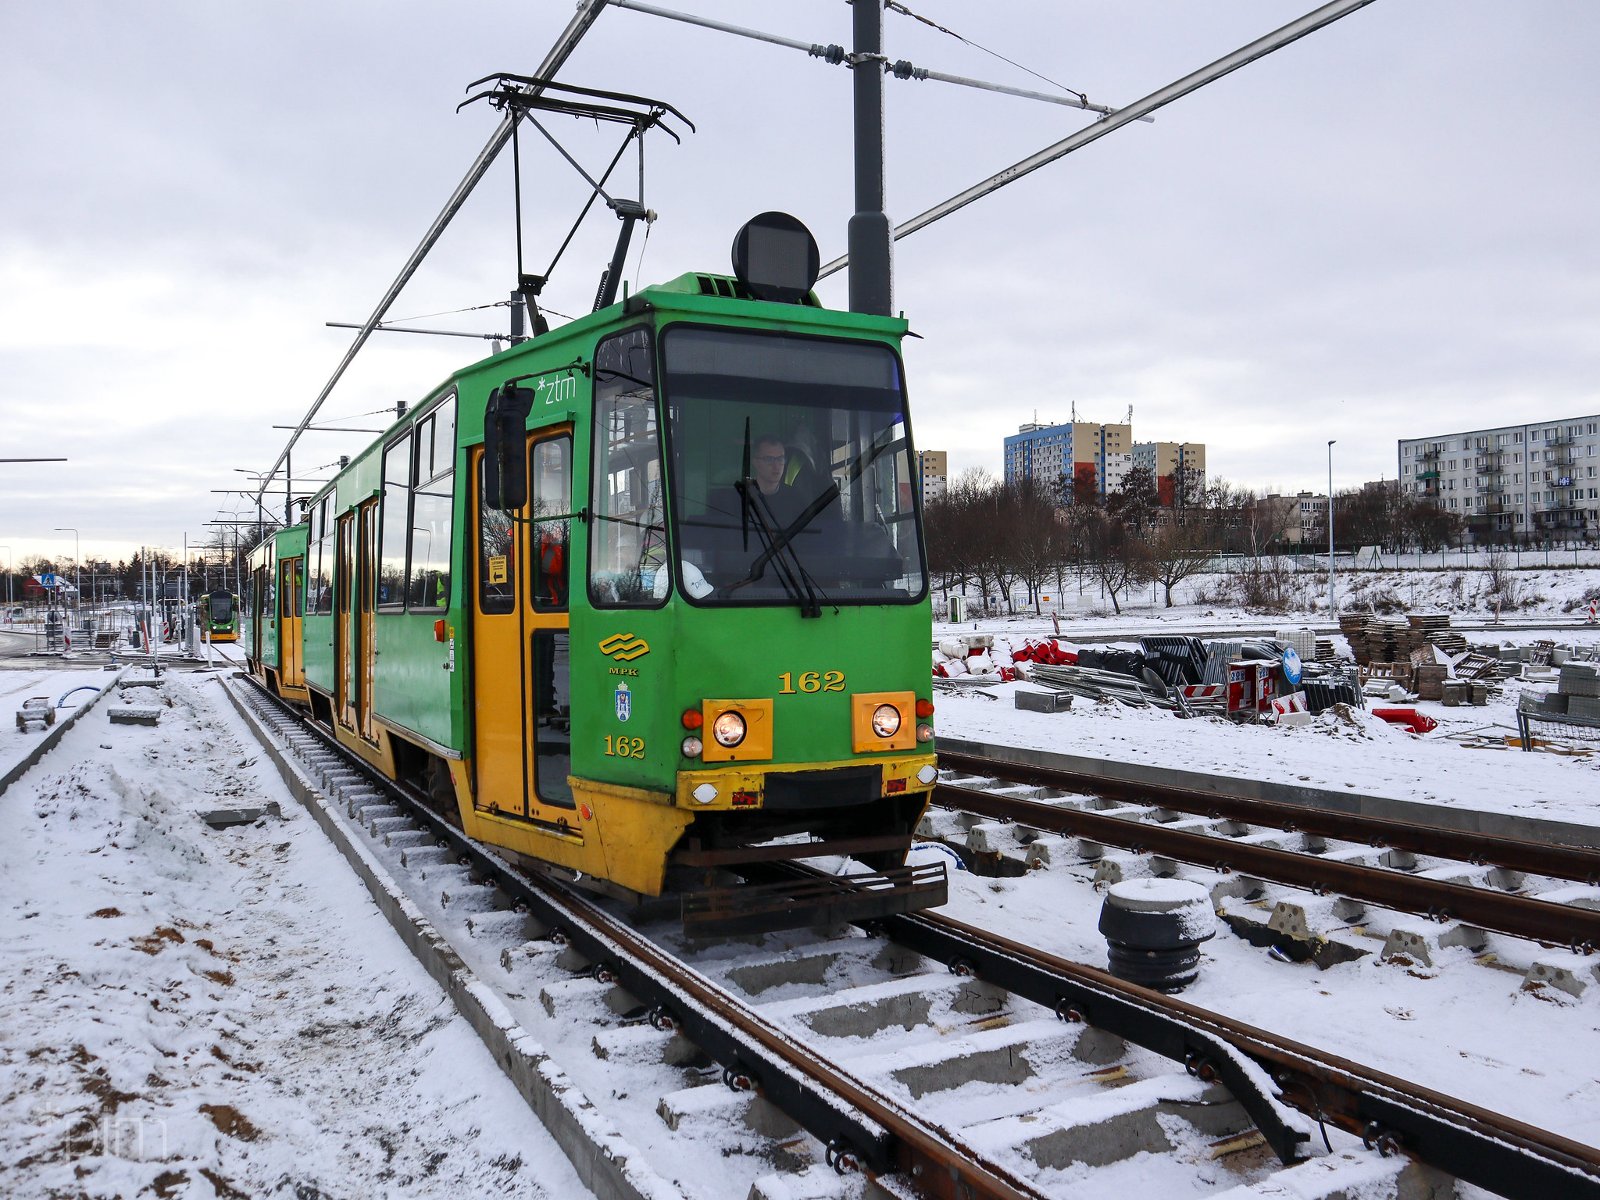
(1478, 879)
(1137, 1065)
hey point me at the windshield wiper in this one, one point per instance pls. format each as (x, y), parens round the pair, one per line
(791, 572)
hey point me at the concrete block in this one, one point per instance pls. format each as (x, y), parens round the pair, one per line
(811, 969)
(1289, 919)
(899, 962)
(1577, 895)
(403, 839)
(414, 857)
(574, 995)
(1569, 973)
(130, 714)
(1348, 1175)
(1131, 1120)
(1109, 871)
(991, 837)
(1044, 702)
(1410, 944)
(816, 1182)
(714, 1107)
(501, 922)
(1048, 850)
(224, 818)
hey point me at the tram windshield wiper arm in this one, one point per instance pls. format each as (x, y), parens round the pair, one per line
(791, 572)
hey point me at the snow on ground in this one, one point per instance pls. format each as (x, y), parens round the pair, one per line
(201, 1013)
(198, 1013)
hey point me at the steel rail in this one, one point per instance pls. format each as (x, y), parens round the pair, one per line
(1514, 854)
(862, 1127)
(1482, 1147)
(1491, 1150)
(1520, 916)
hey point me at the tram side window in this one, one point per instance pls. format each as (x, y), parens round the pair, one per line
(430, 519)
(496, 556)
(319, 597)
(396, 524)
(552, 506)
(628, 565)
(290, 593)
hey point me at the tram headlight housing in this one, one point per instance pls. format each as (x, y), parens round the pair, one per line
(886, 720)
(881, 721)
(729, 729)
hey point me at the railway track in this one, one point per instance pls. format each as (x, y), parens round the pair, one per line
(1487, 883)
(927, 1055)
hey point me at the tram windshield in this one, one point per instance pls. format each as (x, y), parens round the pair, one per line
(221, 606)
(791, 470)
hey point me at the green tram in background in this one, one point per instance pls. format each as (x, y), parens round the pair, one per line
(643, 597)
(216, 616)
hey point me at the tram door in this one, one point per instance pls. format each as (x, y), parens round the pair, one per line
(291, 612)
(354, 631)
(258, 614)
(343, 572)
(522, 709)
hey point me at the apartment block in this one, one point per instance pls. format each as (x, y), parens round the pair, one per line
(1512, 482)
(1173, 463)
(1082, 457)
(935, 474)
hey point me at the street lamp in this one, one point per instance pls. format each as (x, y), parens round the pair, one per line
(11, 570)
(1332, 612)
(77, 563)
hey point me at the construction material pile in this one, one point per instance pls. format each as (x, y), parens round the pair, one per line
(1184, 674)
(1375, 639)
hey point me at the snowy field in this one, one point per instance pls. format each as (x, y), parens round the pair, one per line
(221, 1013)
(197, 1013)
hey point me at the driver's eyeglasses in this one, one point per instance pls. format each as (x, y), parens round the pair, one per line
(772, 458)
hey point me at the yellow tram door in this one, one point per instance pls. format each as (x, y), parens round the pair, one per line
(291, 612)
(343, 641)
(258, 614)
(364, 634)
(521, 702)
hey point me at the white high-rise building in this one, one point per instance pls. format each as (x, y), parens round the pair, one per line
(1512, 482)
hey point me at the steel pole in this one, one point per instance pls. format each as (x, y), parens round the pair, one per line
(1332, 612)
(77, 564)
(871, 283)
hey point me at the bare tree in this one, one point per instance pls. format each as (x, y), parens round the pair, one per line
(1116, 558)
(1181, 548)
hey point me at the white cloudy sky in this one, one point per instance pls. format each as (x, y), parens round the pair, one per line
(1384, 230)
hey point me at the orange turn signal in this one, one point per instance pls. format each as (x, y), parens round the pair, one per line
(693, 718)
(924, 708)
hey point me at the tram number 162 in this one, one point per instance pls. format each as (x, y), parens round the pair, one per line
(811, 681)
(624, 747)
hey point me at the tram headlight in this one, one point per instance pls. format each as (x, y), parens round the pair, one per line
(691, 747)
(886, 720)
(924, 733)
(729, 729)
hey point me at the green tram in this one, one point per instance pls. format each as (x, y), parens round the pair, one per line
(216, 616)
(643, 597)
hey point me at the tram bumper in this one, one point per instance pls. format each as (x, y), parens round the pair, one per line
(760, 824)
(852, 782)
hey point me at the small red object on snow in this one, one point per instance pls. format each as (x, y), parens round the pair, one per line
(1409, 717)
